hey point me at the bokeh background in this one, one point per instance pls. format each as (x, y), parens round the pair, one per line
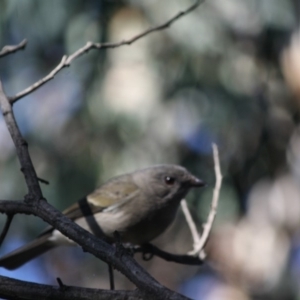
(227, 73)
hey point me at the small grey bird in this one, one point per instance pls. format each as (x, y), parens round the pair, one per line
(139, 206)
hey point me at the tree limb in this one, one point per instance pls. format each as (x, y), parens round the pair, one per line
(89, 243)
(23, 290)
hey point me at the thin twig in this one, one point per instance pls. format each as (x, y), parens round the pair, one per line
(8, 49)
(6, 227)
(191, 223)
(193, 228)
(66, 60)
(44, 181)
(214, 204)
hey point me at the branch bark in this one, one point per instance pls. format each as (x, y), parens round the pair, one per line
(22, 290)
(120, 260)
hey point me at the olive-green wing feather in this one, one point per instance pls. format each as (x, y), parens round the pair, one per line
(114, 192)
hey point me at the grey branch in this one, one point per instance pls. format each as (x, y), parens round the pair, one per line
(8, 49)
(17, 289)
(66, 60)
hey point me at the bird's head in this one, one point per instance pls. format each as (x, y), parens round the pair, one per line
(167, 182)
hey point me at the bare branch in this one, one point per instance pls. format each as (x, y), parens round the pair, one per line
(15, 207)
(41, 82)
(23, 290)
(66, 60)
(44, 181)
(13, 48)
(191, 223)
(90, 243)
(214, 204)
(193, 228)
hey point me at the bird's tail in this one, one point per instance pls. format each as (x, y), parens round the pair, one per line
(25, 253)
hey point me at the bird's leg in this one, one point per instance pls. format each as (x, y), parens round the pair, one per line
(119, 252)
(111, 277)
(122, 248)
(60, 283)
(119, 248)
(130, 248)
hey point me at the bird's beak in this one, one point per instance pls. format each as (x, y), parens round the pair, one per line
(196, 182)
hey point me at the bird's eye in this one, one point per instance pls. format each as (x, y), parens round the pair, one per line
(169, 180)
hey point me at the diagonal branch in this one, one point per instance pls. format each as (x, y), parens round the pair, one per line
(6, 50)
(89, 243)
(23, 290)
(21, 145)
(66, 60)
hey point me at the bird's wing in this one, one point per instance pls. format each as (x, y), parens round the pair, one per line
(112, 194)
(109, 196)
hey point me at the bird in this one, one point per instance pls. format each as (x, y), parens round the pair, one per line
(139, 206)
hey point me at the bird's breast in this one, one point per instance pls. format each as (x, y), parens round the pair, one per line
(136, 227)
(145, 227)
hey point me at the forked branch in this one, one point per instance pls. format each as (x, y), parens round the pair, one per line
(200, 242)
